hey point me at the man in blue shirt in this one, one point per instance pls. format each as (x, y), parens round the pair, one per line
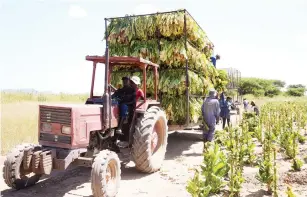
(126, 97)
(214, 59)
(210, 111)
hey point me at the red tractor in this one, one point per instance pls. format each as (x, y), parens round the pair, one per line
(85, 135)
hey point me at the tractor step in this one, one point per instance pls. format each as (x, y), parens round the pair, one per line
(84, 161)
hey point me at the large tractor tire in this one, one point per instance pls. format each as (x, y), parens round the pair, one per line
(150, 140)
(106, 174)
(14, 174)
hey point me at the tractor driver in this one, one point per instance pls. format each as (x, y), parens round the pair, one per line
(127, 99)
(135, 83)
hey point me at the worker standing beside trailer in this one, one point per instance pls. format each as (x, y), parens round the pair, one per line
(225, 106)
(210, 112)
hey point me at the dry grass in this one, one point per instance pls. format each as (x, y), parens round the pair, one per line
(262, 100)
(19, 124)
(7, 97)
(19, 116)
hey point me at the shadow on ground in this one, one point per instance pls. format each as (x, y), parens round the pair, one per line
(181, 141)
(58, 184)
(61, 183)
(259, 193)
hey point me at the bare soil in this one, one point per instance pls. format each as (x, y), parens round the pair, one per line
(184, 153)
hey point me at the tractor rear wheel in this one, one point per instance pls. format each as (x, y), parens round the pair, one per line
(105, 175)
(150, 140)
(14, 173)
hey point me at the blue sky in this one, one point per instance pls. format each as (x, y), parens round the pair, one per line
(43, 43)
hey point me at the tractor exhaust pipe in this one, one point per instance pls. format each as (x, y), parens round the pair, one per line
(107, 99)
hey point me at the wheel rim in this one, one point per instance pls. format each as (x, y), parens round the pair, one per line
(111, 174)
(157, 136)
(154, 140)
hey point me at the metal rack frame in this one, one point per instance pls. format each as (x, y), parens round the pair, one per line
(234, 76)
(187, 94)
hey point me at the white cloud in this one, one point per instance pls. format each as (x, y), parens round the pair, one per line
(302, 39)
(76, 11)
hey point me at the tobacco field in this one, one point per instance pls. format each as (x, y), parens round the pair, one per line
(274, 143)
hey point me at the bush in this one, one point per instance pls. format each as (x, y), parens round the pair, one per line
(272, 91)
(261, 87)
(296, 90)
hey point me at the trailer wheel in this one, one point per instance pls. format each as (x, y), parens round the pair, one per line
(105, 175)
(150, 140)
(14, 175)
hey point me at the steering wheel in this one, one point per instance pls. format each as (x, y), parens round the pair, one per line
(113, 89)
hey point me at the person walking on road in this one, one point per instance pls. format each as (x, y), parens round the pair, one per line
(255, 108)
(225, 105)
(210, 112)
(245, 104)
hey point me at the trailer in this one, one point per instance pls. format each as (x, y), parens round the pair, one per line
(157, 36)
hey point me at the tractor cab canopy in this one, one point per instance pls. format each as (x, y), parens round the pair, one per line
(134, 64)
(137, 61)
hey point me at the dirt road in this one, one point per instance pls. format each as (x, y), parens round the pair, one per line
(183, 153)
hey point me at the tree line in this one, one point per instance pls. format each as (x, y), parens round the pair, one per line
(269, 87)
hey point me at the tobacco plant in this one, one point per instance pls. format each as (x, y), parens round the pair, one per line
(213, 170)
(275, 176)
(266, 171)
(235, 158)
(288, 143)
(283, 122)
(289, 192)
(301, 139)
(221, 137)
(247, 131)
(297, 164)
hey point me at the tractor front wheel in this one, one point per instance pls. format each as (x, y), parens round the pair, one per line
(105, 175)
(150, 140)
(15, 174)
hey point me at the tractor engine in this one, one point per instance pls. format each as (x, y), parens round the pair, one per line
(65, 132)
(55, 127)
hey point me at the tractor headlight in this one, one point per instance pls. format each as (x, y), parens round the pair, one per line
(46, 127)
(66, 130)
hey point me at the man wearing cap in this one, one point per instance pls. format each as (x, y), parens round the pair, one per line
(210, 111)
(126, 97)
(135, 83)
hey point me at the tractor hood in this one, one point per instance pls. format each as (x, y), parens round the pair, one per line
(64, 105)
(77, 110)
(80, 118)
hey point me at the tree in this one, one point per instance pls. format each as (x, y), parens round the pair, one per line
(297, 86)
(279, 83)
(261, 87)
(296, 90)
